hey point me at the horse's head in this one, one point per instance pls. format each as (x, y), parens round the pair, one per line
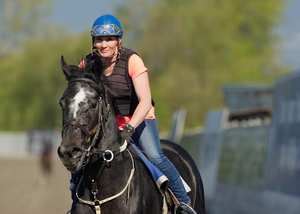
(85, 115)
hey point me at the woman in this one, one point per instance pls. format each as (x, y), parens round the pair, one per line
(126, 77)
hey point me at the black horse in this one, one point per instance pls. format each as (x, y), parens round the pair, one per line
(113, 178)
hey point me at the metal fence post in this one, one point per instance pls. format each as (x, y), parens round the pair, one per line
(177, 126)
(210, 152)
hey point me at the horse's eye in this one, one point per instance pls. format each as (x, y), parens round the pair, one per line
(94, 105)
(62, 103)
(84, 105)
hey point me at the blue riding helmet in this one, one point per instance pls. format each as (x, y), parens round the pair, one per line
(107, 25)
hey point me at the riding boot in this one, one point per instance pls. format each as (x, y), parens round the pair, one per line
(184, 208)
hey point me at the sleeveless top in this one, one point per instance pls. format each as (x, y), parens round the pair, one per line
(119, 83)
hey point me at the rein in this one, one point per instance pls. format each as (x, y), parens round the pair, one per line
(108, 154)
(84, 160)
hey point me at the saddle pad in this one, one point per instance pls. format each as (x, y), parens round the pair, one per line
(159, 178)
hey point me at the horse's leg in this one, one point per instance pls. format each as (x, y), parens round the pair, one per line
(189, 171)
(80, 208)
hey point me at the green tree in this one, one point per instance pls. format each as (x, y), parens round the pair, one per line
(20, 20)
(33, 82)
(194, 47)
(31, 77)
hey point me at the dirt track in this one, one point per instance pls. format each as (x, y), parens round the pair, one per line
(24, 189)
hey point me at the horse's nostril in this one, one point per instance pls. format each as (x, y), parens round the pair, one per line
(76, 151)
(68, 152)
(64, 152)
(59, 152)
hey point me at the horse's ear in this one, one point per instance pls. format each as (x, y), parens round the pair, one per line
(65, 68)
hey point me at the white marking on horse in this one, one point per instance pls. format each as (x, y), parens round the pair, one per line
(77, 99)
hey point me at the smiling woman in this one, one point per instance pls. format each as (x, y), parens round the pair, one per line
(108, 46)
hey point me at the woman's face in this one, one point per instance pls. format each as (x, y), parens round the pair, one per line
(107, 46)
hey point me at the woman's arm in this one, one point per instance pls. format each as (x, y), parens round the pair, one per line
(142, 89)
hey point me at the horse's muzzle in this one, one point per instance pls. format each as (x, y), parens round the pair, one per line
(69, 156)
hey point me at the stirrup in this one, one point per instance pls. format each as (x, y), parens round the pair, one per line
(172, 201)
(184, 208)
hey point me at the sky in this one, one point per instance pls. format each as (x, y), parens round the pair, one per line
(83, 13)
(78, 15)
(289, 30)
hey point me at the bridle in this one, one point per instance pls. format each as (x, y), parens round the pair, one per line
(88, 148)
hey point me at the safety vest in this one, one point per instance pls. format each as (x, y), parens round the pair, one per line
(119, 84)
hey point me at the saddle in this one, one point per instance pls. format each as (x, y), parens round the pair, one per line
(170, 200)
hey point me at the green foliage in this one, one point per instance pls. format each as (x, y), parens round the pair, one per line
(32, 82)
(21, 19)
(194, 47)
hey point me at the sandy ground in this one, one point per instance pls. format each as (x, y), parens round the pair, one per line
(25, 189)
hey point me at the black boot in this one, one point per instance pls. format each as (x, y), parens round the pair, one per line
(184, 208)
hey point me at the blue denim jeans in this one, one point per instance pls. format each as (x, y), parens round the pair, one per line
(146, 137)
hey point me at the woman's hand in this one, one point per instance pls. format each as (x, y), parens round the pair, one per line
(82, 64)
(127, 132)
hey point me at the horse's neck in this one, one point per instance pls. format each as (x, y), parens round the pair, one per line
(122, 161)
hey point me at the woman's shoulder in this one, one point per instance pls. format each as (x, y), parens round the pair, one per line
(136, 66)
(135, 58)
(128, 51)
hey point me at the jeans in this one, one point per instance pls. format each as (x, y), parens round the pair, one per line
(146, 137)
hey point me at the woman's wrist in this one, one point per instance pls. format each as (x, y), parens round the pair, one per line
(130, 127)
